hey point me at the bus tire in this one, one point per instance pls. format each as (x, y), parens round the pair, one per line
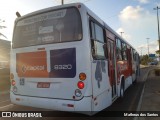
(135, 81)
(122, 89)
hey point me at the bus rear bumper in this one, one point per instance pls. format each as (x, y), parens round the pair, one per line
(83, 106)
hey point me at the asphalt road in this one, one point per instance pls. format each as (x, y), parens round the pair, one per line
(130, 102)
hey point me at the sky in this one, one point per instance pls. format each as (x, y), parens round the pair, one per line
(135, 18)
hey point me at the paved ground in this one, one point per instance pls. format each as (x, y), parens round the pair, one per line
(4, 83)
(151, 96)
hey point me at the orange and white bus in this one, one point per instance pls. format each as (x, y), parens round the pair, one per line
(66, 58)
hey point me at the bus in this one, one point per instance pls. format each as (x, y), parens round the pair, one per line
(66, 58)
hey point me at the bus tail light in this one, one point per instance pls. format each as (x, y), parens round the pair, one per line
(82, 76)
(13, 82)
(80, 85)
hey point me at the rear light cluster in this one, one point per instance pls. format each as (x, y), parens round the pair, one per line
(82, 77)
(80, 84)
(13, 82)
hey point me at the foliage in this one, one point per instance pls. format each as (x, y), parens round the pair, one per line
(158, 52)
(1, 27)
(145, 59)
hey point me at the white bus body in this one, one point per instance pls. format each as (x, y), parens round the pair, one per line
(53, 65)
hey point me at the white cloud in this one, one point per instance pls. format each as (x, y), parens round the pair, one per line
(124, 34)
(153, 46)
(144, 1)
(138, 24)
(131, 13)
(120, 30)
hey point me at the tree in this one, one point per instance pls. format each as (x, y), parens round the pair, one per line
(145, 60)
(1, 27)
(158, 52)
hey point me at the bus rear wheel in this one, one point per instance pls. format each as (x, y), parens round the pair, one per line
(122, 90)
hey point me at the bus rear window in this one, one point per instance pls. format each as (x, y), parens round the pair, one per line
(62, 25)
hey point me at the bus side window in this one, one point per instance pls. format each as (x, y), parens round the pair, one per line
(124, 50)
(134, 55)
(97, 41)
(118, 49)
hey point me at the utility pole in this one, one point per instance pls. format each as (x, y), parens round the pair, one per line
(148, 45)
(121, 33)
(62, 2)
(158, 29)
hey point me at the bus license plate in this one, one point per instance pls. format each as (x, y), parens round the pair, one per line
(43, 85)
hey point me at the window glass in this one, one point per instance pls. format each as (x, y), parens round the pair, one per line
(124, 50)
(51, 27)
(97, 41)
(99, 33)
(119, 44)
(118, 49)
(92, 31)
(133, 54)
(99, 50)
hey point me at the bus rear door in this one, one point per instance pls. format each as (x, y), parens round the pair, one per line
(112, 63)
